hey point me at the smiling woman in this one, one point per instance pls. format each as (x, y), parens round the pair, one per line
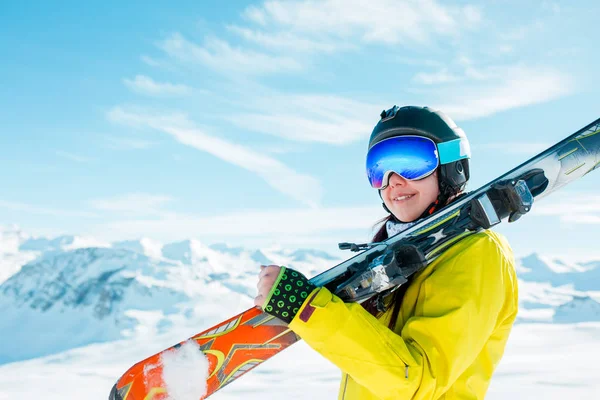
(443, 333)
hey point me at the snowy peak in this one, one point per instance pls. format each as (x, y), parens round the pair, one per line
(61, 243)
(541, 264)
(188, 252)
(146, 246)
(257, 256)
(79, 277)
(226, 248)
(11, 257)
(260, 258)
(580, 309)
(306, 255)
(89, 293)
(11, 239)
(558, 272)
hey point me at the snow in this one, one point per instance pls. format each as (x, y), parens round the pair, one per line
(61, 243)
(188, 252)
(580, 309)
(75, 318)
(581, 275)
(544, 361)
(185, 371)
(146, 246)
(11, 257)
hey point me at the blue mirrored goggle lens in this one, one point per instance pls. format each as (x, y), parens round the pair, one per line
(412, 157)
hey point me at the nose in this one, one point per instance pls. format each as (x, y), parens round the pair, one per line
(396, 180)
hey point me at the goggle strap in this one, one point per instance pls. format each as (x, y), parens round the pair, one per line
(453, 150)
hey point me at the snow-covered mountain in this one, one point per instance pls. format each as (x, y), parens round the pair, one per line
(61, 243)
(64, 292)
(584, 276)
(557, 290)
(12, 257)
(579, 309)
(145, 246)
(81, 295)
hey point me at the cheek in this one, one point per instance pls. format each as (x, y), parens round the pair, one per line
(385, 194)
(429, 189)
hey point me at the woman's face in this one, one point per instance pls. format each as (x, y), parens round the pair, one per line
(407, 200)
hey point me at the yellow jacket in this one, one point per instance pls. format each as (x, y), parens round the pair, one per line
(451, 332)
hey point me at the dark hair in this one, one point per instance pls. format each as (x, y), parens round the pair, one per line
(371, 304)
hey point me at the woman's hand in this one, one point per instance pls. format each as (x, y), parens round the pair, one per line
(266, 279)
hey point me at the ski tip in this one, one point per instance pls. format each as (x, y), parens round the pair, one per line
(114, 394)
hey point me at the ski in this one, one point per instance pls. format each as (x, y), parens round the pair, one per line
(246, 340)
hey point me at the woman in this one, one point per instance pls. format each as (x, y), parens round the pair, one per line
(443, 333)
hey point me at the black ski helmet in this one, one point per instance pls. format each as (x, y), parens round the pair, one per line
(452, 144)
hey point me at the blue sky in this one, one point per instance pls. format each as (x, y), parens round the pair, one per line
(248, 123)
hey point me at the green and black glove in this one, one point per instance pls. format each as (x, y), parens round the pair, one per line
(290, 290)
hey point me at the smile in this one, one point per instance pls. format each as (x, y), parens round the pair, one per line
(402, 198)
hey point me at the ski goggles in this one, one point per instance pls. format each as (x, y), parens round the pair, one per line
(411, 157)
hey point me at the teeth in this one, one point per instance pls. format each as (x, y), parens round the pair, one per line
(403, 197)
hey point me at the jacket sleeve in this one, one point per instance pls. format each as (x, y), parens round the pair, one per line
(457, 309)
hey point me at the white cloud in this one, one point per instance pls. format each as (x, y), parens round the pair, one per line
(527, 148)
(132, 204)
(466, 91)
(53, 212)
(73, 157)
(124, 143)
(301, 187)
(523, 32)
(383, 21)
(502, 89)
(145, 85)
(441, 76)
(571, 208)
(472, 14)
(309, 118)
(290, 41)
(551, 6)
(150, 61)
(581, 219)
(505, 49)
(301, 221)
(222, 57)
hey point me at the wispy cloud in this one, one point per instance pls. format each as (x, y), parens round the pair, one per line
(145, 85)
(301, 221)
(151, 61)
(571, 208)
(278, 35)
(133, 204)
(385, 21)
(37, 210)
(303, 188)
(504, 88)
(309, 118)
(437, 77)
(523, 32)
(286, 41)
(551, 6)
(515, 147)
(73, 157)
(220, 56)
(126, 143)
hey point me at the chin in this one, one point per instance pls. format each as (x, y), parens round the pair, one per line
(405, 218)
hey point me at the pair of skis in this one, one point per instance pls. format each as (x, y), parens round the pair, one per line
(246, 340)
